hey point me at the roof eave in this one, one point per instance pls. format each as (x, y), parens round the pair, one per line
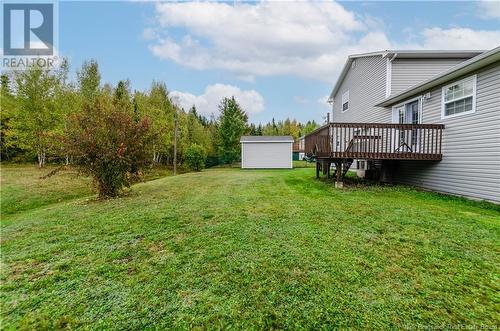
(461, 69)
(403, 54)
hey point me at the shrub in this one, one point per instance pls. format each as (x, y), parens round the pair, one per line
(195, 157)
(109, 145)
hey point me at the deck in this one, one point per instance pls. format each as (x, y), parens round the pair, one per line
(376, 141)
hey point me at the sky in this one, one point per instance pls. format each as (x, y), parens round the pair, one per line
(278, 59)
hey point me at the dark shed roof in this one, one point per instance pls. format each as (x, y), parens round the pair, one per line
(266, 139)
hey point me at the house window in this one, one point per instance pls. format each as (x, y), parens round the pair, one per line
(401, 115)
(345, 101)
(459, 98)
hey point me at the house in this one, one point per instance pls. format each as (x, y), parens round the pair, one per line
(298, 149)
(266, 152)
(437, 127)
(366, 79)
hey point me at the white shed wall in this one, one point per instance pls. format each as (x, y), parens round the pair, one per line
(261, 155)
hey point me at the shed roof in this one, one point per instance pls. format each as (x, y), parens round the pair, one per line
(266, 139)
(454, 72)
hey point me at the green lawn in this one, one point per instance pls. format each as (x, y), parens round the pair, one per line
(244, 249)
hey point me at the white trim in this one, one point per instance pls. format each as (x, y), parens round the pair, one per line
(395, 119)
(421, 110)
(345, 96)
(388, 77)
(473, 95)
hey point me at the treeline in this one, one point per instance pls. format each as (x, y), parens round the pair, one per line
(287, 127)
(38, 105)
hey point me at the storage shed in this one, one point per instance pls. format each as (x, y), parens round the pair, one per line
(265, 152)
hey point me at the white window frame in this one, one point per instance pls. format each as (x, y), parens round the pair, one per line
(345, 98)
(395, 115)
(443, 103)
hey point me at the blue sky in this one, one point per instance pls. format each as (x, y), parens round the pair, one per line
(280, 59)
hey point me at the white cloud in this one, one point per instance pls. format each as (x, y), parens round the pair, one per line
(300, 99)
(247, 78)
(460, 38)
(268, 38)
(149, 34)
(207, 103)
(305, 39)
(489, 9)
(323, 101)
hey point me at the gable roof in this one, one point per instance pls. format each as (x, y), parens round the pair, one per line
(266, 139)
(460, 69)
(403, 54)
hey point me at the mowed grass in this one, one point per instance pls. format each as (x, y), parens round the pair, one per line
(23, 188)
(227, 248)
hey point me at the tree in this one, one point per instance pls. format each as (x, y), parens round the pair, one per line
(309, 127)
(7, 111)
(121, 96)
(252, 130)
(157, 105)
(67, 102)
(110, 145)
(34, 126)
(232, 125)
(89, 81)
(195, 157)
(259, 130)
(197, 130)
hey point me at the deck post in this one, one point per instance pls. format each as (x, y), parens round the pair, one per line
(338, 182)
(317, 169)
(388, 169)
(324, 166)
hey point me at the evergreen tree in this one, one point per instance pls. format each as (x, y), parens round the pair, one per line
(232, 125)
(121, 97)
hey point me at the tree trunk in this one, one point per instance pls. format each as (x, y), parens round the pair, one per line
(41, 158)
(154, 154)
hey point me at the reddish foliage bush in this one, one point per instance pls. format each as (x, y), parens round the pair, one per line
(109, 145)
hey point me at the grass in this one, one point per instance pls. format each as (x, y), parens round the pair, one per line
(23, 187)
(227, 248)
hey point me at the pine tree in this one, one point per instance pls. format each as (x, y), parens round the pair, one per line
(232, 125)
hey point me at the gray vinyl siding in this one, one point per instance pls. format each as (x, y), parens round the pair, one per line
(408, 72)
(470, 148)
(366, 85)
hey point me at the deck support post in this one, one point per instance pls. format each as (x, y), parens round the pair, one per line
(338, 170)
(387, 172)
(324, 167)
(317, 169)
